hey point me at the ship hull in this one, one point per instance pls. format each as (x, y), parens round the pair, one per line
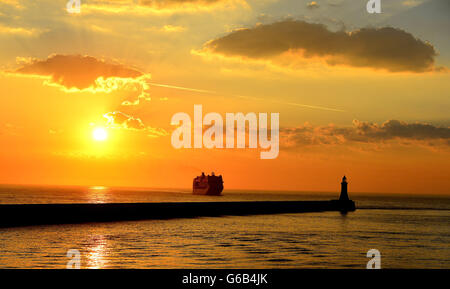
(208, 190)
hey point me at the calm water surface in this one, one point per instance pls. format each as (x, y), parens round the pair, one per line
(410, 232)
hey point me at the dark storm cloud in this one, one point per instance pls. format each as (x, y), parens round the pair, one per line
(380, 48)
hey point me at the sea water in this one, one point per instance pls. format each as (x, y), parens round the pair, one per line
(408, 231)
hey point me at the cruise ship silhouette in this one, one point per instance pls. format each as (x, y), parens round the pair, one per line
(211, 185)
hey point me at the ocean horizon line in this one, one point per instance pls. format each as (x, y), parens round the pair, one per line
(230, 190)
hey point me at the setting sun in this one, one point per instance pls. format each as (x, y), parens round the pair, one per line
(99, 134)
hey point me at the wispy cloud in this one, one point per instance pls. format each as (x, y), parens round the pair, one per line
(146, 7)
(20, 31)
(13, 3)
(120, 120)
(412, 3)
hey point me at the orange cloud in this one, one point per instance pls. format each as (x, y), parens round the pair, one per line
(143, 7)
(178, 3)
(120, 120)
(75, 73)
(76, 70)
(385, 48)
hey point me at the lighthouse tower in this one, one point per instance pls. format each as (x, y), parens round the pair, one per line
(344, 195)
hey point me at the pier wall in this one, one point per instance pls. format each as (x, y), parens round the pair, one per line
(37, 214)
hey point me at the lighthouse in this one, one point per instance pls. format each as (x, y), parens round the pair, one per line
(344, 195)
(344, 204)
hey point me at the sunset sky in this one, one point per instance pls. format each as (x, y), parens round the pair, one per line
(365, 95)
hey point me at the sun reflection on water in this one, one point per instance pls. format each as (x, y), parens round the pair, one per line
(98, 194)
(97, 251)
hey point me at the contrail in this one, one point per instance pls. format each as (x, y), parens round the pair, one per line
(248, 97)
(181, 88)
(291, 103)
(311, 106)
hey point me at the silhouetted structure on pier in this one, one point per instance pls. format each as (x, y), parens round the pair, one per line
(344, 202)
(344, 194)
